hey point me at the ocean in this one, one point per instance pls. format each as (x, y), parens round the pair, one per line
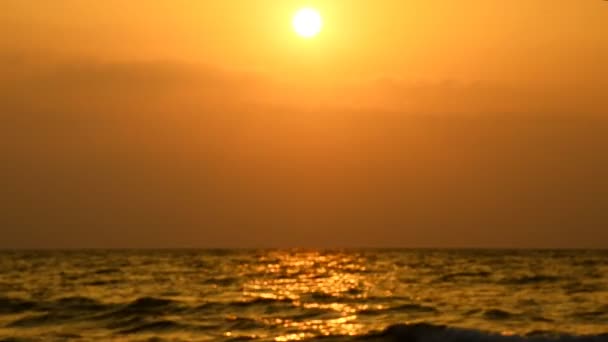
(315, 295)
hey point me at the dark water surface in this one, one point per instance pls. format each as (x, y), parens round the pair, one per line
(283, 295)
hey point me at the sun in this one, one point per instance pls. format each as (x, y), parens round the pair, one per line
(307, 22)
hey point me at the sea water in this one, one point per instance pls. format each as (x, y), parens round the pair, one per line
(285, 295)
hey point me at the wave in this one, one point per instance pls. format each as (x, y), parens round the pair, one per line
(15, 305)
(498, 314)
(460, 275)
(400, 308)
(222, 281)
(244, 323)
(140, 326)
(596, 314)
(81, 309)
(78, 303)
(148, 306)
(16, 339)
(107, 271)
(153, 327)
(424, 332)
(577, 287)
(262, 302)
(102, 282)
(534, 279)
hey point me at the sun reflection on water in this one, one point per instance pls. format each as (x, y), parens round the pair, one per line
(312, 280)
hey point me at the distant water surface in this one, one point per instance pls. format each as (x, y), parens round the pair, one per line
(283, 295)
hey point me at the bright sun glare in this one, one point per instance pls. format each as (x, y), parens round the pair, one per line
(307, 22)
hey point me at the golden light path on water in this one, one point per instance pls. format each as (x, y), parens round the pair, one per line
(311, 275)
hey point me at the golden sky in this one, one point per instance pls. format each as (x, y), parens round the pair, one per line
(541, 45)
(466, 40)
(404, 123)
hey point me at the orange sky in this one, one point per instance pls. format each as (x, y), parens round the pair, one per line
(540, 41)
(210, 123)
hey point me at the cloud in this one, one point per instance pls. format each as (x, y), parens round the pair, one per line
(110, 88)
(170, 154)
